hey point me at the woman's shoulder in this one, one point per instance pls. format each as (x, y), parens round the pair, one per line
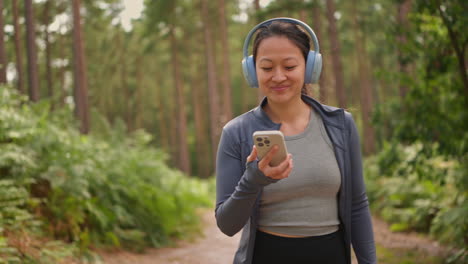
(239, 121)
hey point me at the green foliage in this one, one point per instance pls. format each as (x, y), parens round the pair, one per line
(417, 188)
(434, 108)
(404, 256)
(111, 189)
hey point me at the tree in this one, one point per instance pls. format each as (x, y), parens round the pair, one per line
(225, 77)
(453, 14)
(3, 60)
(80, 78)
(184, 161)
(257, 10)
(404, 8)
(365, 82)
(317, 27)
(202, 139)
(212, 80)
(18, 52)
(336, 54)
(48, 55)
(33, 79)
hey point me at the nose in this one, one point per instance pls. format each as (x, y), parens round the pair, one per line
(278, 75)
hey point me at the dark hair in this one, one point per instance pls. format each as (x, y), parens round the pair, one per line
(285, 29)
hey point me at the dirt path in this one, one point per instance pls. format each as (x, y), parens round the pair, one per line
(216, 248)
(213, 248)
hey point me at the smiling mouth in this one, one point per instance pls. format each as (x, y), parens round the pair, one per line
(279, 88)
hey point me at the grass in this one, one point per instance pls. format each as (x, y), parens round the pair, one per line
(405, 256)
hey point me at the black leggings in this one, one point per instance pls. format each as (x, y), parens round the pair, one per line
(326, 249)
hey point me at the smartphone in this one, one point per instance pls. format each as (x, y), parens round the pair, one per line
(265, 140)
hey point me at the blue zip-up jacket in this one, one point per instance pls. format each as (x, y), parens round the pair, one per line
(239, 184)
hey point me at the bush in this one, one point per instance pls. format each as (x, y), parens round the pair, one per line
(89, 190)
(416, 188)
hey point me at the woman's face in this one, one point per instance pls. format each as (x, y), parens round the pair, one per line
(280, 68)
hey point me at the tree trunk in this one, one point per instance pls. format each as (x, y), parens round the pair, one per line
(33, 79)
(183, 154)
(62, 71)
(257, 9)
(225, 77)
(459, 48)
(139, 93)
(404, 8)
(80, 78)
(317, 27)
(3, 59)
(124, 82)
(48, 52)
(19, 54)
(163, 126)
(336, 53)
(202, 139)
(366, 92)
(212, 81)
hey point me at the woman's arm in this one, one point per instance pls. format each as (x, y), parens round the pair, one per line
(362, 235)
(236, 190)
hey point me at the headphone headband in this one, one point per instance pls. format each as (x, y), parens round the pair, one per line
(284, 19)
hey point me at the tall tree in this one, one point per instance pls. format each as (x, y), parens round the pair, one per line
(80, 76)
(202, 139)
(3, 59)
(166, 14)
(336, 54)
(184, 161)
(48, 51)
(317, 22)
(212, 80)
(18, 49)
(404, 8)
(257, 11)
(317, 28)
(33, 79)
(454, 17)
(225, 77)
(365, 82)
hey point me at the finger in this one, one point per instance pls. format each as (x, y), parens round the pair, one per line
(253, 154)
(283, 165)
(282, 170)
(286, 173)
(268, 157)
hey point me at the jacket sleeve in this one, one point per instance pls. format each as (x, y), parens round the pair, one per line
(362, 235)
(236, 190)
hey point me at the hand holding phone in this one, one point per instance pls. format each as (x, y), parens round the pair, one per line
(265, 140)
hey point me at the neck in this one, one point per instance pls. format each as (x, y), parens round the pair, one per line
(289, 112)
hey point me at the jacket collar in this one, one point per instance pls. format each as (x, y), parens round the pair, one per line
(330, 115)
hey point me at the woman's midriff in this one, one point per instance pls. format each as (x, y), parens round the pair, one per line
(278, 234)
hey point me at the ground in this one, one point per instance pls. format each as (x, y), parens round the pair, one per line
(216, 248)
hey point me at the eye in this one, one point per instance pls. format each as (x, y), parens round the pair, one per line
(290, 68)
(266, 68)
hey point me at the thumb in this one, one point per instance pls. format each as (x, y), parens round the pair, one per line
(253, 154)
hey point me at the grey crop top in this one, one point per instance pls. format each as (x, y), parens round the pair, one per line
(305, 203)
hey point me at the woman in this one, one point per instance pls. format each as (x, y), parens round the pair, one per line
(311, 211)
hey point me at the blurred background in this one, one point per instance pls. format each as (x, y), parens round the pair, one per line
(108, 106)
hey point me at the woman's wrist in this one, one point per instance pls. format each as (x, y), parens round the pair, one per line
(255, 175)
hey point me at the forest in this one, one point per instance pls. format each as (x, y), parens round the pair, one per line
(108, 134)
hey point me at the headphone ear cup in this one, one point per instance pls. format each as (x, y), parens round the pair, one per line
(248, 68)
(313, 67)
(317, 68)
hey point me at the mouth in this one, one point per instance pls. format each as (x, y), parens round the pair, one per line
(279, 88)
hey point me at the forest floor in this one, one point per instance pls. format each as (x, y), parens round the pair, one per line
(213, 247)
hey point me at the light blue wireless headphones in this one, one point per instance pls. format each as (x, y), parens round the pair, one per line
(314, 58)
